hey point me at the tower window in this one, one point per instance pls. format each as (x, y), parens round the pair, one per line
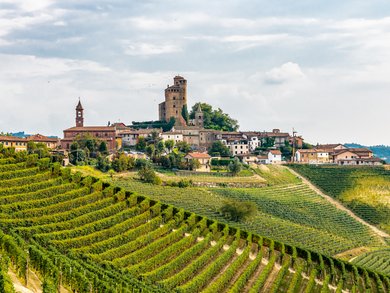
(174, 98)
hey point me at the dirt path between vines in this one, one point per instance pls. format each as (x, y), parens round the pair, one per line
(340, 206)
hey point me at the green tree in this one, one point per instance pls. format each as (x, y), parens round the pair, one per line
(150, 150)
(238, 210)
(76, 154)
(148, 175)
(141, 144)
(184, 113)
(103, 148)
(219, 149)
(169, 144)
(102, 163)
(267, 142)
(183, 147)
(235, 166)
(193, 164)
(160, 147)
(215, 119)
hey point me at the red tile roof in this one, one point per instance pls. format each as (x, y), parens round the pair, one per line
(91, 128)
(11, 138)
(199, 155)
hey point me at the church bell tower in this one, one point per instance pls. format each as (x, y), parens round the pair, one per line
(79, 115)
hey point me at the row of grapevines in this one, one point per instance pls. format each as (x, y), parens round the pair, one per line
(102, 235)
(62, 206)
(152, 248)
(78, 221)
(130, 235)
(220, 284)
(14, 200)
(12, 167)
(99, 224)
(24, 225)
(259, 283)
(40, 177)
(176, 264)
(19, 173)
(194, 266)
(210, 271)
(43, 202)
(247, 273)
(165, 255)
(116, 253)
(282, 272)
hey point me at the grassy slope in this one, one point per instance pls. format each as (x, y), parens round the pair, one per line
(287, 210)
(366, 191)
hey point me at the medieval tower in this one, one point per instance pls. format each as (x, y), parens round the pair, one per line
(79, 115)
(175, 101)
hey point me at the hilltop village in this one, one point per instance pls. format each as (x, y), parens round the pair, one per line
(176, 129)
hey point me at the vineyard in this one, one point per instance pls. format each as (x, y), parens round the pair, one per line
(364, 190)
(290, 213)
(84, 235)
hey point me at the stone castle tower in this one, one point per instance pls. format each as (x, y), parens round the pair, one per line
(175, 100)
(79, 115)
(199, 121)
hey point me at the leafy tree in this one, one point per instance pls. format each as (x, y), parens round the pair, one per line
(76, 154)
(235, 166)
(193, 164)
(183, 147)
(148, 175)
(160, 147)
(38, 148)
(150, 150)
(219, 149)
(215, 119)
(102, 163)
(238, 210)
(140, 163)
(103, 148)
(141, 144)
(184, 113)
(268, 142)
(169, 144)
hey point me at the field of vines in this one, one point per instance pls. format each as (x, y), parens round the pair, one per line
(378, 260)
(86, 235)
(290, 213)
(365, 190)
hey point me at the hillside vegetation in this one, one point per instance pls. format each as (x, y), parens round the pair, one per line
(365, 190)
(90, 236)
(287, 210)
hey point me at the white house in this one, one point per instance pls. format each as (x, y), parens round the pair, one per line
(175, 136)
(274, 157)
(254, 143)
(237, 147)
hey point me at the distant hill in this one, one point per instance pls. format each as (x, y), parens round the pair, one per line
(380, 151)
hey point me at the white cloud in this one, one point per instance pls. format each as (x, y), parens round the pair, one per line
(287, 72)
(147, 49)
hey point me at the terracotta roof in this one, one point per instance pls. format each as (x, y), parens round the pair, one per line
(40, 137)
(352, 150)
(312, 151)
(328, 146)
(275, 152)
(171, 133)
(91, 128)
(11, 138)
(199, 155)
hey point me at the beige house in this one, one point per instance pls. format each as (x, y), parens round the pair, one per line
(312, 156)
(203, 158)
(20, 144)
(353, 156)
(237, 147)
(50, 142)
(248, 158)
(170, 135)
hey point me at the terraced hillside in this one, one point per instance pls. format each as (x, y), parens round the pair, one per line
(291, 213)
(365, 190)
(89, 236)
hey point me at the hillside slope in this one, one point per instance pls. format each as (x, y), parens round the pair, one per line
(88, 235)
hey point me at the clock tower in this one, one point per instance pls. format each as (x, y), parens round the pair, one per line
(79, 115)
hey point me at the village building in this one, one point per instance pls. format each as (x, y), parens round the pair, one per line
(203, 158)
(280, 138)
(103, 133)
(50, 142)
(352, 156)
(130, 137)
(312, 156)
(171, 135)
(237, 147)
(274, 157)
(248, 158)
(20, 144)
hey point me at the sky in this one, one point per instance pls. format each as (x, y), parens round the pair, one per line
(320, 67)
